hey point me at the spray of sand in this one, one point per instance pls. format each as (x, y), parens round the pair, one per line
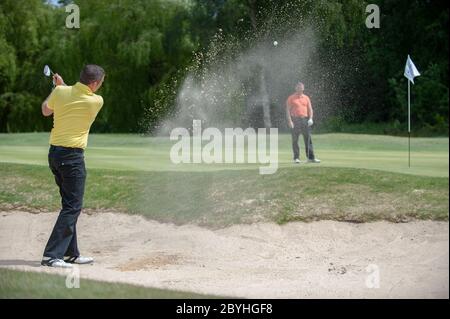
(223, 87)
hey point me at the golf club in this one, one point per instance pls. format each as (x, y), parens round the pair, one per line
(48, 72)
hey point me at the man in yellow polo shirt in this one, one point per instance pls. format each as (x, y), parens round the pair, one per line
(74, 109)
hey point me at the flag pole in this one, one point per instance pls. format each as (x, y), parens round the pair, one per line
(410, 73)
(409, 123)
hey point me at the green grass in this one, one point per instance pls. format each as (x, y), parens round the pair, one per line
(18, 284)
(134, 152)
(222, 198)
(362, 178)
(334, 125)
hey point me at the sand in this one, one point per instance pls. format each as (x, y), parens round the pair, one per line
(324, 259)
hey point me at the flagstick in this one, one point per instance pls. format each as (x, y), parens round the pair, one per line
(410, 73)
(409, 123)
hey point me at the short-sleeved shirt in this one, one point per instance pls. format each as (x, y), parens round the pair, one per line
(74, 110)
(298, 105)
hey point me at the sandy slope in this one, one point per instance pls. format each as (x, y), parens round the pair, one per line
(299, 260)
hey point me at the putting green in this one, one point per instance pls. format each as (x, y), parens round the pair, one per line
(429, 156)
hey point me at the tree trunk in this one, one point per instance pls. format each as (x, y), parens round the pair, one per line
(265, 101)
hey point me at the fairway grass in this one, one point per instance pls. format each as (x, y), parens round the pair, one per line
(429, 156)
(19, 284)
(362, 178)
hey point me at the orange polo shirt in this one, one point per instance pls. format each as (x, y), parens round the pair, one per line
(298, 105)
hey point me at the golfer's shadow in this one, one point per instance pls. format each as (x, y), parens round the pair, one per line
(20, 262)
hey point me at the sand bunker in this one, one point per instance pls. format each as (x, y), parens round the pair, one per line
(323, 259)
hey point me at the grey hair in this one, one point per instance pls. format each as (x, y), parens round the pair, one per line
(91, 73)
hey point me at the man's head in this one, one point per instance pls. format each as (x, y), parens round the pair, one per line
(92, 75)
(300, 88)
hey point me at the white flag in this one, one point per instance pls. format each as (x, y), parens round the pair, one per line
(410, 70)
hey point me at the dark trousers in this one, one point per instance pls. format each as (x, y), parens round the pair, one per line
(301, 127)
(67, 166)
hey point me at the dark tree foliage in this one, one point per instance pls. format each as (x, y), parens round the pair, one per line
(147, 46)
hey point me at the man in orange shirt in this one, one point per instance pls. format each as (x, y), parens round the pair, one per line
(299, 115)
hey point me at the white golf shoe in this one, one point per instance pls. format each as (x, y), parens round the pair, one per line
(297, 161)
(79, 260)
(315, 160)
(55, 262)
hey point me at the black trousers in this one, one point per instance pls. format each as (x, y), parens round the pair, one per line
(67, 166)
(301, 127)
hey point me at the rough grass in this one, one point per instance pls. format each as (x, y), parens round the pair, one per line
(220, 198)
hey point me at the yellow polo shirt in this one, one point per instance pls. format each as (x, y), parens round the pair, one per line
(74, 110)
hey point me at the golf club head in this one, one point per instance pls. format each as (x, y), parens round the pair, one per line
(47, 70)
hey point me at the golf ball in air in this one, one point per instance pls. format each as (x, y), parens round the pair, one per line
(275, 43)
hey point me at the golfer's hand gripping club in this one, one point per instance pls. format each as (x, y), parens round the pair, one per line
(57, 79)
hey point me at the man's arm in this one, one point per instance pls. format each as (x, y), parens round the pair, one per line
(310, 110)
(288, 115)
(310, 113)
(46, 111)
